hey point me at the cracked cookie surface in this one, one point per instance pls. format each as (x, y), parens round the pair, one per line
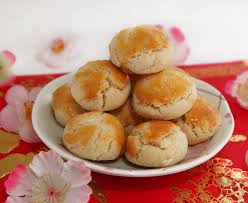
(141, 50)
(201, 122)
(156, 144)
(100, 86)
(64, 106)
(95, 136)
(165, 95)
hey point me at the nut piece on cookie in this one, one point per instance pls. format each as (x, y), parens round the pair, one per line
(166, 95)
(64, 106)
(141, 50)
(100, 86)
(156, 144)
(95, 136)
(127, 116)
(201, 122)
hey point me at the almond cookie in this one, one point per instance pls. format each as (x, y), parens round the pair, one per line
(156, 144)
(95, 136)
(100, 86)
(201, 122)
(141, 50)
(64, 106)
(165, 95)
(127, 116)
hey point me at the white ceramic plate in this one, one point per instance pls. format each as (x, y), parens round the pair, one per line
(50, 132)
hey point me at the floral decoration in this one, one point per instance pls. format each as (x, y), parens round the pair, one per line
(181, 48)
(48, 179)
(7, 59)
(62, 50)
(239, 89)
(16, 115)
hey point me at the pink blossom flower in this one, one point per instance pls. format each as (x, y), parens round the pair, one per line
(16, 115)
(228, 87)
(49, 179)
(181, 48)
(61, 50)
(239, 89)
(7, 59)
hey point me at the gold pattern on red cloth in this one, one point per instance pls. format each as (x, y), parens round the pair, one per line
(98, 193)
(1, 94)
(238, 138)
(8, 142)
(220, 70)
(229, 184)
(9, 162)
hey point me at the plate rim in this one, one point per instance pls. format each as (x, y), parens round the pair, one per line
(128, 172)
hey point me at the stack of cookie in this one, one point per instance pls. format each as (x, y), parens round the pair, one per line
(137, 103)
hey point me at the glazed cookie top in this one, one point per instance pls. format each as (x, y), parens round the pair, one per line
(152, 132)
(164, 87)
(203, 113)
(132, 41)
(84, 128)
(63, 100)
(93, 76)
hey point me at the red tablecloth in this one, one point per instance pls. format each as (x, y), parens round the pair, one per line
(224, 178)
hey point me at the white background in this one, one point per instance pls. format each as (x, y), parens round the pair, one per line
(217, 31)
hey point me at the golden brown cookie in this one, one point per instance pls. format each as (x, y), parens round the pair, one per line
(100, 86)
(141, 50)
(201, 122)
(156, 144)
(95, 136)
(165, 95)
(64, 106)
(127, 116)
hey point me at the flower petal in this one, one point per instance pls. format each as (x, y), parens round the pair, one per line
(10, 56)
(228, 87)
(34, 93)
(19, 182)
(46, 162)
(70, 56)
(181, 53)
(48, 58)
(16, 93)
(8, 119)
(236, 89)
(181, 48)
(17, 200)
(76, 173)
(49, 188)
(27, 133)
(78, 194)
(177, 34)
(20, 110)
